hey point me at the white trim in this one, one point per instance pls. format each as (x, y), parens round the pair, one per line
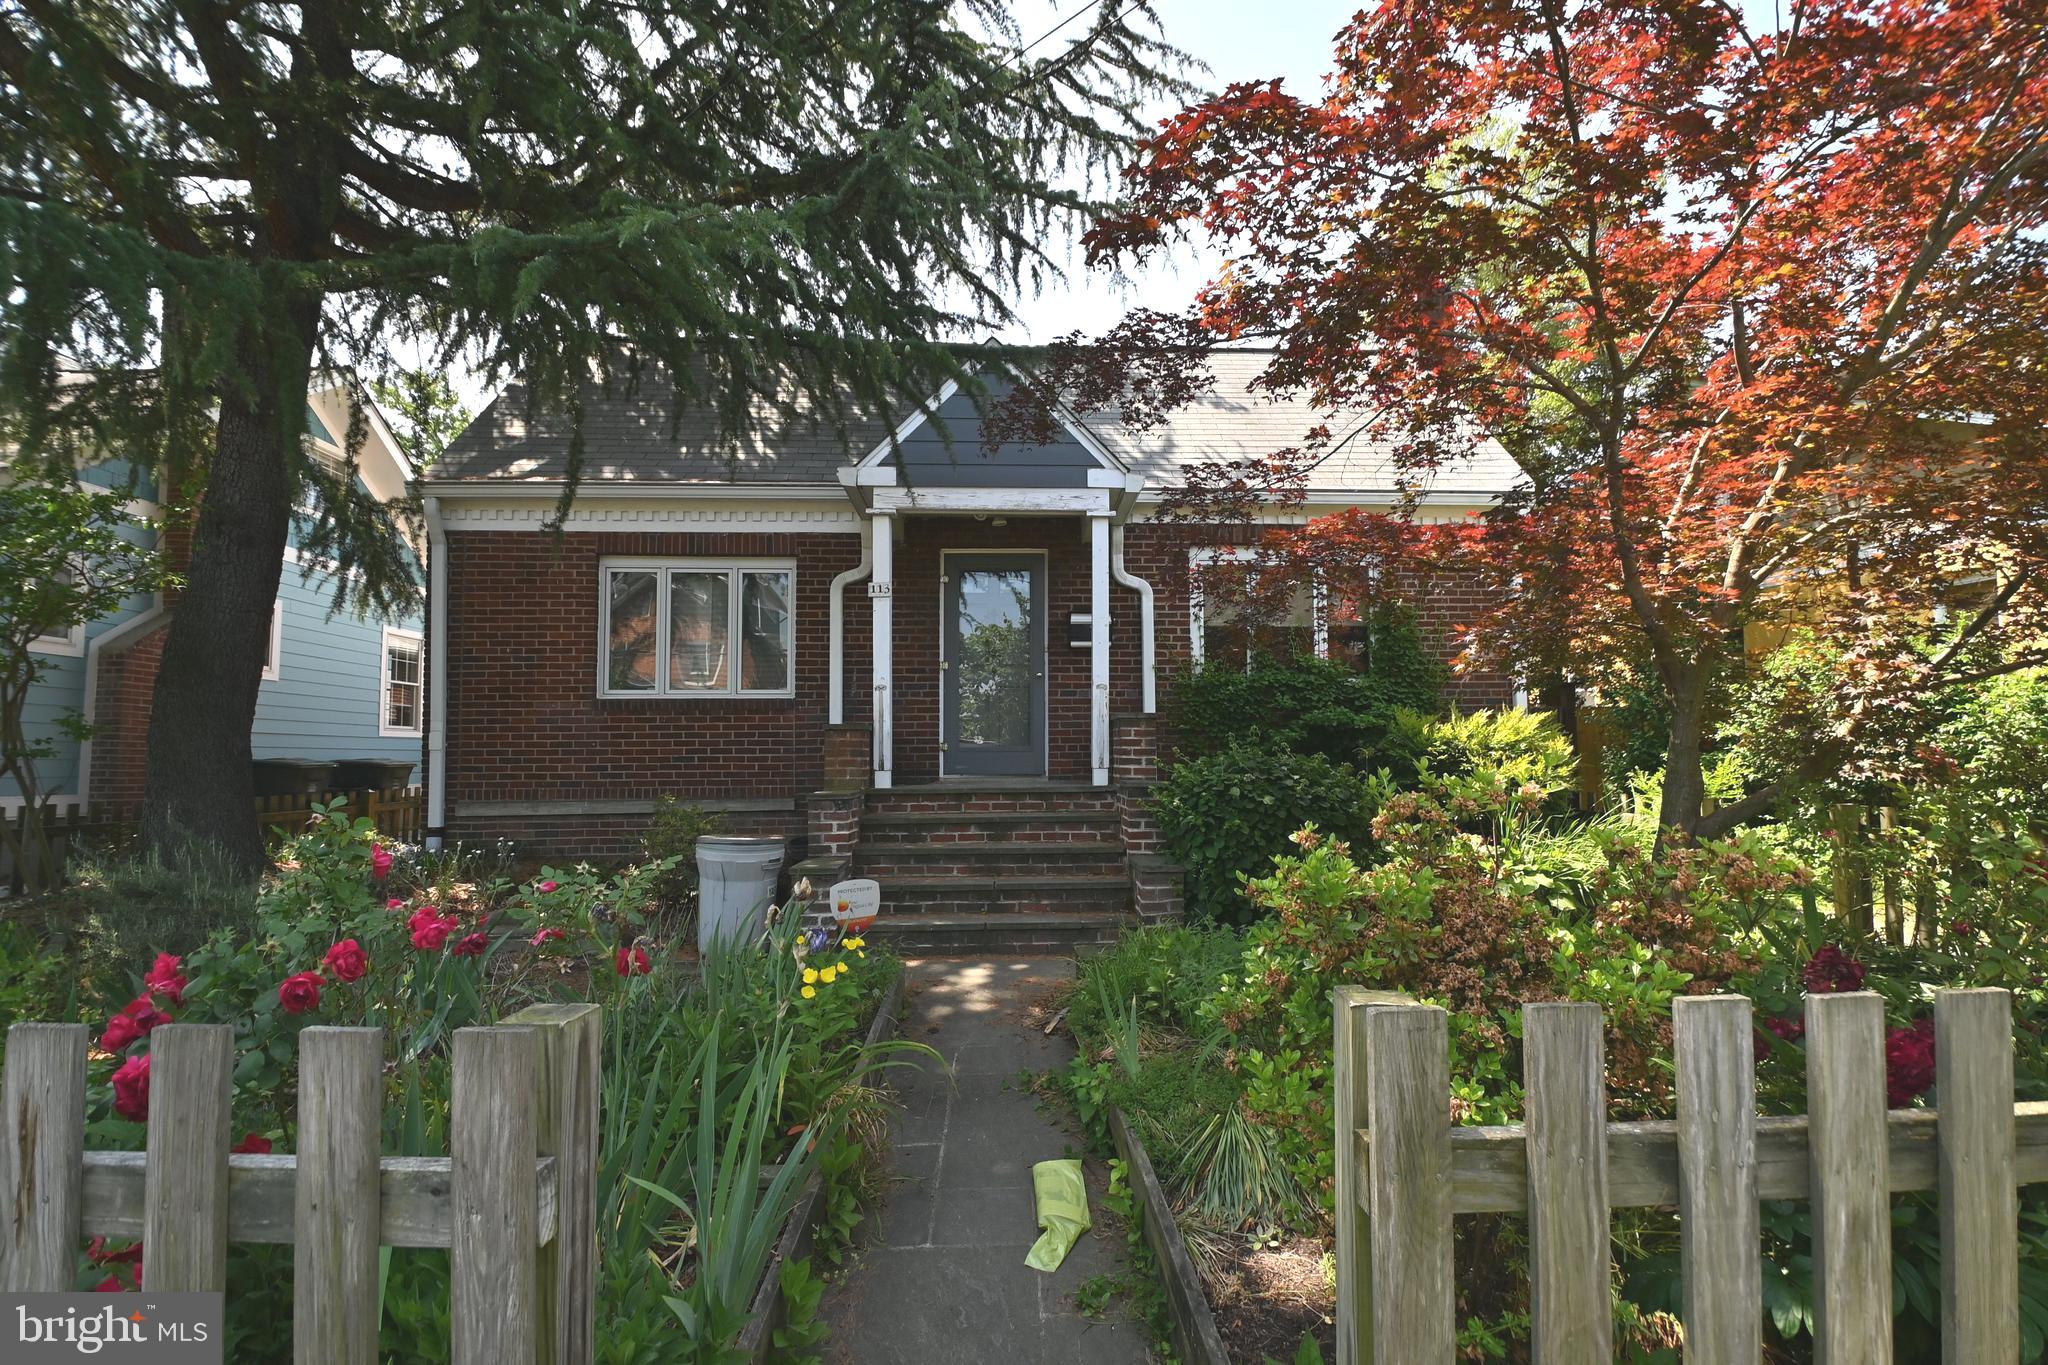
(1044, 644)
(1019, 500)
(69, 645)
(664, 569)
(273, 653)
(606, 513)
(1083, 437)
(437, 673)
(917, 418)
(835, 703)
(384, 725)
(881, 603)
(547, 493)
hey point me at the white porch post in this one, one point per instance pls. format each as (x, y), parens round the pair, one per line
(1098, 653)
(881, 590)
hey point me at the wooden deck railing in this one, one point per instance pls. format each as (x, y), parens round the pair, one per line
(514, 1203)
(1404, 1172)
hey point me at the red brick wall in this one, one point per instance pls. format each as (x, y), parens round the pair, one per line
(524, 718)
(120, 744)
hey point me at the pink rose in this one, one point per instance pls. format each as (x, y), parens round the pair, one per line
(166, 978)
(347, 960)
(395, 903)
(122, 1032)
(430, 929)
(632, 961)
(380, 862)
(548, 888)
(548, 936)
(253, 1144)
(131, 1089)
(300, 993)
(472, 945)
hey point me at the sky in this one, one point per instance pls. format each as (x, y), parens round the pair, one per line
(1237, 40)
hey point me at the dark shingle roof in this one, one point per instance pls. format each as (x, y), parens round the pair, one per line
(638, 438)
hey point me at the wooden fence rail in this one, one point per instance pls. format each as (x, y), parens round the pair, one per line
(398, 812)
(514, 1205)
(1404, 1171)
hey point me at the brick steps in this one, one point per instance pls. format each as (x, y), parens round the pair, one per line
(1023, 827)
(972, 896)
(941, 935)
(950, 799)
(989, 858)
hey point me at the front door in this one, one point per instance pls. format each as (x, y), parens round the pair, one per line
(994, 662)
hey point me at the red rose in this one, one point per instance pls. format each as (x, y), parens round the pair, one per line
(548, 936)
(380, 862)
(253, 1144)
(1908, 1063)
(166, 978)
(110, 1285)
(300, 993)
(430, 929)
(131, 1089)
(122, 1031)
(395, 903)
(347, 960)
(1832, 971)
(632, 961)
(472, 945)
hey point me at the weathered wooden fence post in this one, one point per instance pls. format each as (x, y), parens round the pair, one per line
(571, 1056)
(1850, 1156)
(1973, 1088)
(1408, 1097)
(495, 1186)
(42, 1152)
(338, 1214)
(1564, 1088)
(185, 1185)
(1354, 1229)
(1720, 1255)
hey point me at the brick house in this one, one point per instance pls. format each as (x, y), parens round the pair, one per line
(916, 658)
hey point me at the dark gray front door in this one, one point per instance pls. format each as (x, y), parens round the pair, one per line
(995, 664)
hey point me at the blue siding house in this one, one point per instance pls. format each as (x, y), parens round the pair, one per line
(337, 686)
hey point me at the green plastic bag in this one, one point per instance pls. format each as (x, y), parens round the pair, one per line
(1062, 1200)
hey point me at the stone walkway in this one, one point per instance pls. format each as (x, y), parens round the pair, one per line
(942, 1277)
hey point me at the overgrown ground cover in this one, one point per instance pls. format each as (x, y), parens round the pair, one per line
(1448, 864)
(710, 1072)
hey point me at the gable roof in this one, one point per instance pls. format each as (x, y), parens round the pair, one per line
(639, 438)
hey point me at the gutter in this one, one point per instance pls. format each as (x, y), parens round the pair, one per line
(1144, 591)
(437, 675)
(111, 641)
(835, 712)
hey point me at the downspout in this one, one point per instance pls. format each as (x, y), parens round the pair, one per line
(1144, 590)
(835, 709)
(437, 676)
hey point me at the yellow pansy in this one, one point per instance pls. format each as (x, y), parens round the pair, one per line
(810, 991)
(843, 965)
(827, 975)
(856, 943)
(810, 975)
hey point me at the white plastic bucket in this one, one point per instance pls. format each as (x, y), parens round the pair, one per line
(736, 879)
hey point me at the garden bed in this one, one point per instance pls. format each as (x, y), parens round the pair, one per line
(757, 1342)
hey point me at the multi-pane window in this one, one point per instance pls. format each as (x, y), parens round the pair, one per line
(1225, 629)
(690, 629)
(403, 674)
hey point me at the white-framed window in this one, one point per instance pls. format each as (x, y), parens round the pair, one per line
(69, 642)
(401, 699)
(273, 653)
(1221, 630)
(696, 628)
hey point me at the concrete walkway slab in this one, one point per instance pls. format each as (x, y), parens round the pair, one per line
(941, 1279)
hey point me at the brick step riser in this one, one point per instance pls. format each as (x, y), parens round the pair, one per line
(966, 901)
(1035, 805)
(995, 939)
(1050, 832)
(939, 863)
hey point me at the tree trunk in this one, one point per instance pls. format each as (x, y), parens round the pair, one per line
(1685, 778)
(198, 805)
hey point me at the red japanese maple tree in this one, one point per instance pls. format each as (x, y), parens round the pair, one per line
(1762, 314)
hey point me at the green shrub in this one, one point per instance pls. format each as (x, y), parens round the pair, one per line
(673, 833)
(1518, 746)
(1308, 705)
(1224, 816)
